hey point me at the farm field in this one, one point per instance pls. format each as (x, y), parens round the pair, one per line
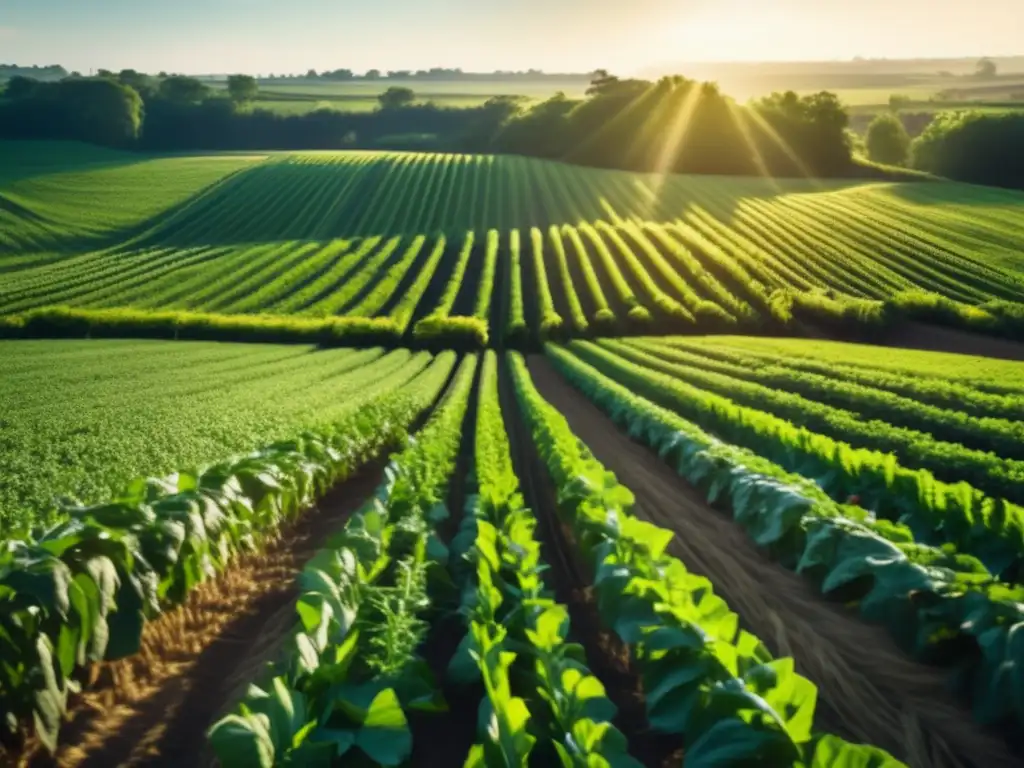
(554, 514)
(82, 419)
(293, 98)
(478, 249)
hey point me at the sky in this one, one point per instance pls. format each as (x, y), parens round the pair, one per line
(625, 36)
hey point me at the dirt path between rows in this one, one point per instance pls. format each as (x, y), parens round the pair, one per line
(869, 691)
(935, 338)
(196, 661)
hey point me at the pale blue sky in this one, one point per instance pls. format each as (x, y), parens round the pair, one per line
(261, 36)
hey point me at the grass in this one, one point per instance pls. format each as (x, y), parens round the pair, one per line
(298, 98)
(386, 236)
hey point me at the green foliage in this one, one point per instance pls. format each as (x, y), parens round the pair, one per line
(498, 564)
(351, 674)
(888, 141)
(923, 594)
(396, 97)
(182, 89)
(755, 416)
(82, 418)
(242, 88)
(973, 146)
(351, 259)
(705, 678)
(82, 591)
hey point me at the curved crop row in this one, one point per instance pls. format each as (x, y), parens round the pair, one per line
(925, 596)
(990, 528)
(951, 462)
(681, 635)
(1003, 437)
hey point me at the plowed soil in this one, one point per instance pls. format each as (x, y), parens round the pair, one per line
(869, 691)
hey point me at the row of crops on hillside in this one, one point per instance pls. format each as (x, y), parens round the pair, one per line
(561, 282)
(394, 247)
(458, 540)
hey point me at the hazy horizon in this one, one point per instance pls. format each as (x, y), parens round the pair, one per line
(256, 36)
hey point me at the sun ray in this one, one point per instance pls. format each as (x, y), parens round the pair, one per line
(781, 143)
(740, 119)
(674, 140)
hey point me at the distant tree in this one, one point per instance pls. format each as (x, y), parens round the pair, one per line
(887, 140)
(372, 74)
(396, 97)
(312, 75)
(184, 90)
(106, 73)
(19, 87)
(898, 101)
(242, 88)
(986, 69)
(162, 74)
(399, 74)
(141, 82)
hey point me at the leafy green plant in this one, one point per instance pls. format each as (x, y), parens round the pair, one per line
(82, 592)
(703, 677)
(924, 595)
(352, 671)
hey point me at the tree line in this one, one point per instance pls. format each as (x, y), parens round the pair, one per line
(670, 125)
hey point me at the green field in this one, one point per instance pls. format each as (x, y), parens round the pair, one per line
(502, 245)
(415, 527)
(297, 98)
(81, 419)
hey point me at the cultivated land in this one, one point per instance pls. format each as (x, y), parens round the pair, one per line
(474, 247)
(612, 539)
(289, 97)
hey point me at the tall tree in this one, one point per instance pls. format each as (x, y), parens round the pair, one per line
(184, 90)
(986, 68)
(242, 88)
(396, 97)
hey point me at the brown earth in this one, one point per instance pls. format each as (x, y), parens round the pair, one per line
(935, 338)
(869, 691)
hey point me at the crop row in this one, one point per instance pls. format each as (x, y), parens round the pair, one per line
(352, 673)
(703, 677)
(933, 440)
(996, 434)
(82, 418)
(81, 592)
(925, 596)
(990, 528)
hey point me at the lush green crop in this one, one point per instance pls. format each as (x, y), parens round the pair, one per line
(991, 528)
(923, 594)
(352, 671)
(110, 568)
(422, 242)
(694, 658)
(82, 418)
